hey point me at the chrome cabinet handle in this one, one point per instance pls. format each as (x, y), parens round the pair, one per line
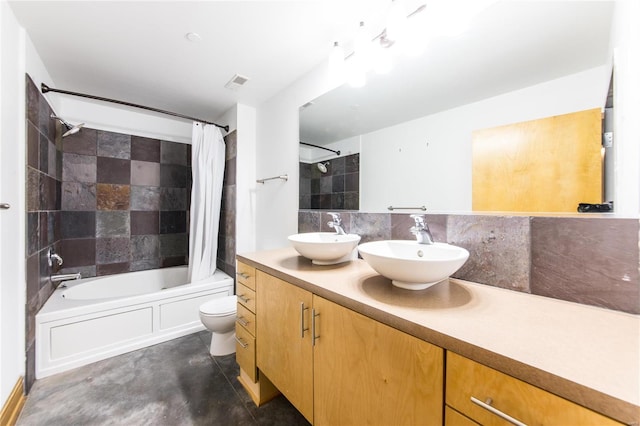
(243, 298)
(487, 406)
(243, 275)
(5, 206)
(313, 327)
(243, 344)
(242, 321)
(302, 328)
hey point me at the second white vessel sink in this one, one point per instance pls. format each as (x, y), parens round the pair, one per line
(325, 248)
(411, 265)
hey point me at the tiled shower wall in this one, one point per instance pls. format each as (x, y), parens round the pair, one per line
(226, 259)
(124, 203)
(588, 260)
(337, 189)
(44, 171)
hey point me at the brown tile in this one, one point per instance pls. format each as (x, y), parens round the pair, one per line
(499, 249)
(112, 197)
(84, 142)
(168, 262)
(589, 260)
(78, 252)
(33, 189)
(230, 172)
(112, 268)
(113, 170)
(145, 149)
(145, 173)
(231, 145)
(33, 101)
(33, 146)
(145, 222)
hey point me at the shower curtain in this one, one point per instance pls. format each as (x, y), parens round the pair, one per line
(207, 165)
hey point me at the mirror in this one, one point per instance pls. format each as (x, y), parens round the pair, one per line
(411, 130)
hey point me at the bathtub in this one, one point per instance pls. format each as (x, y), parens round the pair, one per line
(92, 319)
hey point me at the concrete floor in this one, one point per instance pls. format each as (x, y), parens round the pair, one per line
(173, 383)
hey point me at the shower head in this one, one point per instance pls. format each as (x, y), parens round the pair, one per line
(323, 167)
(71, 129)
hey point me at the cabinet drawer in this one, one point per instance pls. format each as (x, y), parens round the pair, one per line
(520, 400)
(246, 297)
(246, 275)
(453, 418)
(247, 319)
(246, 352)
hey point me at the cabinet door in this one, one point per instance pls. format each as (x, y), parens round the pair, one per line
(366, 372)
(284, 352)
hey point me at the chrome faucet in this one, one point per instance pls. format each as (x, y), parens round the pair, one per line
(336, 223)
(52, 257)
(421, 230)
(57, 279)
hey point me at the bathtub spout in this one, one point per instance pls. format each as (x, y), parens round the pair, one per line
(56, 279)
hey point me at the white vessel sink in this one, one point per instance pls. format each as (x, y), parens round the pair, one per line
(325, 248)
(411, 265)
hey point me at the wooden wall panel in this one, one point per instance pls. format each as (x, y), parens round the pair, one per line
(546, 165)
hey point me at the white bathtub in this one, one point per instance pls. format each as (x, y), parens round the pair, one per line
(96, 318)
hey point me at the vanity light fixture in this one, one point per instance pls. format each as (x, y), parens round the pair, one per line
(370, 53)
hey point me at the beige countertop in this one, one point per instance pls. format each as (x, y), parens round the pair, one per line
(586, 354)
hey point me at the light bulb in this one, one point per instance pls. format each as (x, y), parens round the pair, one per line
(337, 66)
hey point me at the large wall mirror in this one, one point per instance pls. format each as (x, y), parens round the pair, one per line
(405, 138)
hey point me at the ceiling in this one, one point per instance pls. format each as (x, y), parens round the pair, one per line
(138, 51)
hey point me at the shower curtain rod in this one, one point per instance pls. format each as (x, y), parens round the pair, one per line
(44, 88)
(321, 147)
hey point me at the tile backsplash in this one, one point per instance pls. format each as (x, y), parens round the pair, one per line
(588, 260)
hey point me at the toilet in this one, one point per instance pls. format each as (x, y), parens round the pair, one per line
(219, 317)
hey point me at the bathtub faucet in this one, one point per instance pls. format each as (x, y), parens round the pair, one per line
(57, 279)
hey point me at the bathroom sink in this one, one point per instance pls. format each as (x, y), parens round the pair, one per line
(325, 248)
(411, 265)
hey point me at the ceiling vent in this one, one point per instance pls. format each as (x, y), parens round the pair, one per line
(236, 82)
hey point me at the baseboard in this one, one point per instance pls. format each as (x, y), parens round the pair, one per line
(13, 406)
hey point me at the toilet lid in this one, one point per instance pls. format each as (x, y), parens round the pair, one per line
(220, 306)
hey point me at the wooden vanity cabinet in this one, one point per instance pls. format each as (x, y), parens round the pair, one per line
(259, 388)
(467, 379)
(353, 370)
(284, 341)
(366, 372)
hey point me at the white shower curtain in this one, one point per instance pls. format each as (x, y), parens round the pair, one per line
(207, 166)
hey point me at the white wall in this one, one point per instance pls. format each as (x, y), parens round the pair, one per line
(246, 217)
(278, 153)
(427, 161)
(625, 45)
(12, 191)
